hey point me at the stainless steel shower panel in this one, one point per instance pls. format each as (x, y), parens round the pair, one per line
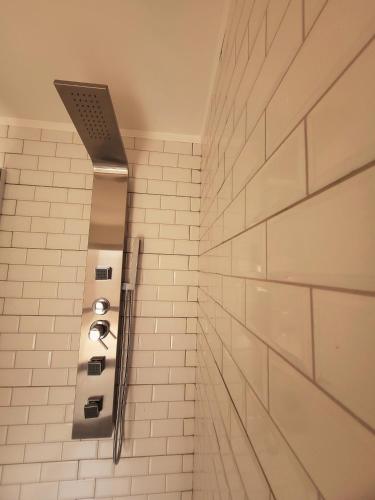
(105, 253)
(90, 108)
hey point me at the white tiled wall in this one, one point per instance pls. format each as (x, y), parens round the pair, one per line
(285, 402)
(44, 228)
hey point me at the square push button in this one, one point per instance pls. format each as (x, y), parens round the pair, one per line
(96, 365)
(93, 407)
(103, 273)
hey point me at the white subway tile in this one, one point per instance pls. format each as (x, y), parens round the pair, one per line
(53, 164)
(21, 473)
(21, 161)
(178, 147)
(251, 158)
(311, 11)
(148, 484)
(284, 472)
(11, 145)
(286, 43)
(344, 349)
(57, 135)
(55, 471)
(326, 434)
(336, 220)
(317, 64)
(249, 253)
(280, 315)
(250, 355)
(339, 127)
(163, 159)
(71, 151)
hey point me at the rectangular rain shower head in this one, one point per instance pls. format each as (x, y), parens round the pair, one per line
(90, 107)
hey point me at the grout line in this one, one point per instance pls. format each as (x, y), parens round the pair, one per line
(326, 90)
(272, 349)
(244, 425)
(306, 156)
(313, 357)
(233, 407)
(268, 378)
(334, 183)
(317, 17)
(303, 20)
(294, 283)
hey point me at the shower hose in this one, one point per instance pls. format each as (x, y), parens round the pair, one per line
(123, 370)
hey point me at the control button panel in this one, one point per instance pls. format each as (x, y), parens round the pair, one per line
(96, 365)
(93, 407)
(103, 273)
(100, 306)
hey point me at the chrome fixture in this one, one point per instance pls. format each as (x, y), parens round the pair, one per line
(102, 379)
(90, 108)
(99, 330)
(2, 185)
(101, 306)
(125, 349)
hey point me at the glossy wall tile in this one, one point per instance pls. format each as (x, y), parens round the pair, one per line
(43, 254)
(286, 268)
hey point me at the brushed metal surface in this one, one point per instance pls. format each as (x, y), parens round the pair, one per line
(105, 248)
(90, 108)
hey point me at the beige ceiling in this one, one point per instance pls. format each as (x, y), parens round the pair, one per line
(157, 56)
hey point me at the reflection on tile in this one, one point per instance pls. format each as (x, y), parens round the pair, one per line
(280, 315)
(234, 297)
(344, 326)
(326, 240)
(249, 253)
(335, 449)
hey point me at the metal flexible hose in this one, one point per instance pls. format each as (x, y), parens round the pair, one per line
(123, 367)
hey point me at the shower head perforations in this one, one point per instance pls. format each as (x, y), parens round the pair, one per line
(90, 111)
(90, 108)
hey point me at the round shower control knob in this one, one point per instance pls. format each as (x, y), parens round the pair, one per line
(98, 331)
(100, 306)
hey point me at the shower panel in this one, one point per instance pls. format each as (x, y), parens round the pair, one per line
(105, 327)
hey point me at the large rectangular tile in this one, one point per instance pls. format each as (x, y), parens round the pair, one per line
(340, 128)
(281, 316)
(335, 449)
(319, 63)
(234, 217)
(282, 51)
(234, 296)
(275, 13)
(249, 253)
(326, 240)
(251, 473)
(280, 182)
(344, 326)
(257, 55)
(250, 354)
(235, 144)
(285, 474)
(251, 158)
(311, 11)
(235, 383)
